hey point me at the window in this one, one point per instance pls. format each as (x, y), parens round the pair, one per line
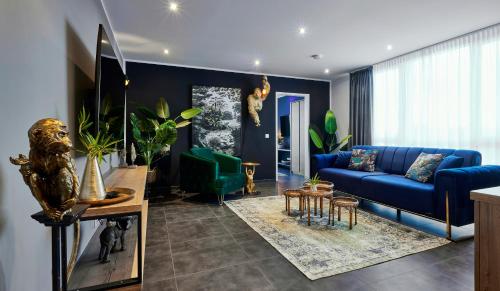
(446, 96)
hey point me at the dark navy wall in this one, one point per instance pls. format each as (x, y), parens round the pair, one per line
(150, 82)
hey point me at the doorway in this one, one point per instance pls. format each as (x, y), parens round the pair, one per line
(292, 141)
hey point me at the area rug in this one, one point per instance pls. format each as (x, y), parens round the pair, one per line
(321, 250)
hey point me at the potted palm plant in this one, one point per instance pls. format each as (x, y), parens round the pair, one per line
(328, 143)
(96, 147)
(155, 132)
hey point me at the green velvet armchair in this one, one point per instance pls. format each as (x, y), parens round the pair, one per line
(208, 172)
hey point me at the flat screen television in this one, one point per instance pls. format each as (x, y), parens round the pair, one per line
(107, 108)
(285, 125)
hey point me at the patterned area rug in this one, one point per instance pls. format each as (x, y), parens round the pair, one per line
(322, 250)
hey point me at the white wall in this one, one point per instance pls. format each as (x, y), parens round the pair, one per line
(340, 103)
(47, 59)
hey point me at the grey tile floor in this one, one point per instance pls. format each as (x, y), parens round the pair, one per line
(193, 244)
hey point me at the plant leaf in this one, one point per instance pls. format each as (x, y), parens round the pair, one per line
(190, 113)
(330, 122)
(183, 123)
(342, 143)
(147, 112)
(162, 109)
(316, 139)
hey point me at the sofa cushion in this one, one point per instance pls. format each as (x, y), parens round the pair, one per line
(449, 162)
(400, 192)
(363, 160)
(204, 153)
(231, 181)
(422, 170)
(342, 160)
(346, 180)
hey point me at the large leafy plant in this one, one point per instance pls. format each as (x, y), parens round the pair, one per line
(154, 132)
(97, 146)
(328, 142)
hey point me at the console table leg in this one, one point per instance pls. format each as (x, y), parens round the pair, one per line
(56, 258)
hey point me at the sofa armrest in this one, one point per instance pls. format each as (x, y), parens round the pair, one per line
(228, 163)
(320, 161)
(197, 174)
(458, 183)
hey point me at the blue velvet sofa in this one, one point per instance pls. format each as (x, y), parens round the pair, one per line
(388, 186)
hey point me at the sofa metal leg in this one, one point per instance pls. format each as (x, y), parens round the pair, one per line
(221, 199)
(398, 214)
(448, 222)
(243, 191)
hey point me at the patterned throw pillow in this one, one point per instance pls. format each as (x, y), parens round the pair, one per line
(363, 160)
(342, 160)
(424, 166)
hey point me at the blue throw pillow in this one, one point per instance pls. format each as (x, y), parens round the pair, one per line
(422, 170)
(450, 162)
(342, 160)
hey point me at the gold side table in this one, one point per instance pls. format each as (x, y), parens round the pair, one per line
(250, 172)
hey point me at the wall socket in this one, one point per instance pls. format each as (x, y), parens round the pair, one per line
(267, 135)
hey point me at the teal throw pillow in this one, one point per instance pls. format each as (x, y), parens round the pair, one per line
(424, 167)
(363, 160)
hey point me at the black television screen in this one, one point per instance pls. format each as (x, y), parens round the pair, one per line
(285, 125)
(107, 106)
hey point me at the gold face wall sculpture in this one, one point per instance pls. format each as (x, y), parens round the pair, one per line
(256, 99)
(49, 171)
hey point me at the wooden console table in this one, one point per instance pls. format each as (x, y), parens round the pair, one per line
(137, 206)
(486, 238)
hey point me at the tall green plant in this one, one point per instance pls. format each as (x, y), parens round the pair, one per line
(329, 142)
(154, 132)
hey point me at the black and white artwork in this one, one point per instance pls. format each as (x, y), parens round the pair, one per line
(219, 125)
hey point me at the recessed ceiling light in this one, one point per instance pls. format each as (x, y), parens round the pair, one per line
(257, 62)
(302, 30)
(389, 47)
(165, 51)
(327, 71)
(173, 6)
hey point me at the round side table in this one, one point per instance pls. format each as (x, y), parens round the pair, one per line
(346, 202)
(250, 171)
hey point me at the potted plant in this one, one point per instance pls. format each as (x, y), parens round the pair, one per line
(314, 182)
(96, 147)
(329, 143)
(155, 132)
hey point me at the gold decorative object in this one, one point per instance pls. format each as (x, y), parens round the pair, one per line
(92, 182)
(250, 171)
(49, 171)
(255, 100)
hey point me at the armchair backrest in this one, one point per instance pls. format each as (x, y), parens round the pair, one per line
(205, 153)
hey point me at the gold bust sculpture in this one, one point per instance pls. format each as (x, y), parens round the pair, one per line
(255, 100)
(49, 171)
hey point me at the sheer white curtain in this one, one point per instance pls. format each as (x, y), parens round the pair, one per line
(446, 95)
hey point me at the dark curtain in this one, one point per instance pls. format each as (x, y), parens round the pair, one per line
(361, 106)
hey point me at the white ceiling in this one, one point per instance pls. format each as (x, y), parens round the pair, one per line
(231, 34)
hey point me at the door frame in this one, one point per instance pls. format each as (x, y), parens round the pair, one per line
(306, 130)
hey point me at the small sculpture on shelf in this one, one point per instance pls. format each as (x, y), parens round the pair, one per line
(115, 230)
(49, 171)
(255, 100)
(133, 156)
(123, 158)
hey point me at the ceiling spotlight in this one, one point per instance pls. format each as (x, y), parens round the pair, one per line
(173, 6)
(389, 47)
(302, 30)
(257, 62)
(327, 71)
(165, 51)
